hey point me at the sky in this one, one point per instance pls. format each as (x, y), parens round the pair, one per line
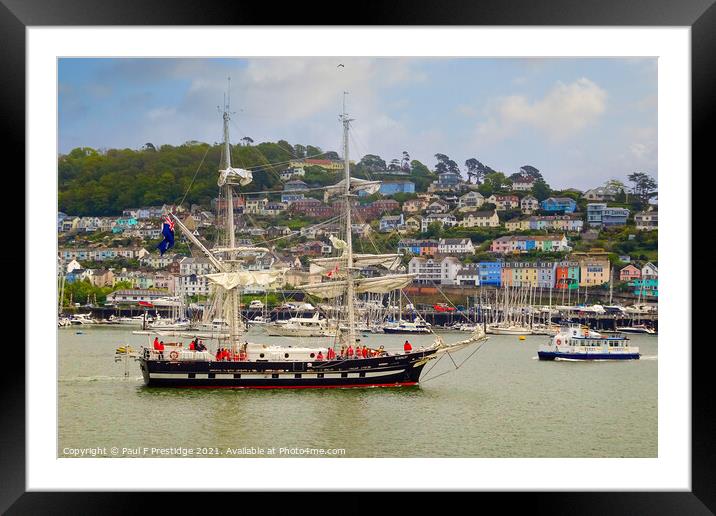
(579, 121)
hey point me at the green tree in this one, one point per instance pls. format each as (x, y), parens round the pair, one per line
(541, 190)
(644, 186)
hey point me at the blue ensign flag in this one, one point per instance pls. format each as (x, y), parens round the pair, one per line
(168, 234)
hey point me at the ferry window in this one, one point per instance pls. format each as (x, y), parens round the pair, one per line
(319, 375)
(275, 375)
(285, 355)
(212, 375)
(312, 355)
(344, 375)
(261, 355)
(237, 375)
(362, 375)
(297, 375)
(192, 375)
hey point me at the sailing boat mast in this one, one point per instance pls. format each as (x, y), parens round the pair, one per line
(349, 227)
(230, 230)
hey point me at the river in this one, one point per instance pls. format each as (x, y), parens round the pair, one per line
(501, 402)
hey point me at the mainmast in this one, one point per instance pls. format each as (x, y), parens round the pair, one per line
(233, 298)
(350, 292)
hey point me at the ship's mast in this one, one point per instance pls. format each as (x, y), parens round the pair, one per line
(349, 227)
(230, 230)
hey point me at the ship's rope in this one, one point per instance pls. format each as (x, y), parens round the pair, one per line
(457, 366)
(208, 148)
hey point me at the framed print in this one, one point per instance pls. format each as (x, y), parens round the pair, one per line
(418, 252)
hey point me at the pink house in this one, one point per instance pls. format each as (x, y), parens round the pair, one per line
(629, 273)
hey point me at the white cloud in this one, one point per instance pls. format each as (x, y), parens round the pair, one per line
(564, 111)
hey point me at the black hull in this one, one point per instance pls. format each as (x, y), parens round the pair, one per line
(390, 371)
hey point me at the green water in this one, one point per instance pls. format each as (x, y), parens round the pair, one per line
(502, 402)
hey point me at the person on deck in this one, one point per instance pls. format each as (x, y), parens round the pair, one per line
(349, 351)
(200, 346)
(331, 354)
(319, 357)
(364, 352)
(156, 342)
(192, 346)
(343, 351)
(407, 348)
(160, 348)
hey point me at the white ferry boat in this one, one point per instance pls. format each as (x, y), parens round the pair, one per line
(578, 343)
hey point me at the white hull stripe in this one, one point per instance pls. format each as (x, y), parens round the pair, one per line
(268, 376)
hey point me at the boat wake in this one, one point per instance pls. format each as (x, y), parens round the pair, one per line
(98, 378)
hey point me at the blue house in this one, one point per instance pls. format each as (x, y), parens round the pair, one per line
(490, 273)
(394, 187)
(124, 223)
(559, 204)
(646, 287)
(599, 214)
(60, 217)
(409, 247)
(388, 188)
(449, 179)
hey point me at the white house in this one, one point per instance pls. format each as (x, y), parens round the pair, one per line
(73, 265)
(523, 183)
(649, 271)
(445, 219)
(529, 204)
(435, 271)
(469, 275)
(647, 220)
(455, 246)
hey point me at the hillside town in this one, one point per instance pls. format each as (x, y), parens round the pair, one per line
(450, 234)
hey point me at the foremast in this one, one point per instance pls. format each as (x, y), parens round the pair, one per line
(348, 196)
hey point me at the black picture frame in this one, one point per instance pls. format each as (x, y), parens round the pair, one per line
(700, 15)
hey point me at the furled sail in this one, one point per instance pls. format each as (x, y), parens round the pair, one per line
(231, 280)
(333, 264)
(379, 285)
(357, 185)
(388, 261)
(243, 177)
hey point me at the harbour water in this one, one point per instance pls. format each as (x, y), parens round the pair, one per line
(501, 402)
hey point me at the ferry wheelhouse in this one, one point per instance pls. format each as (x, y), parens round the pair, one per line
(575, 342)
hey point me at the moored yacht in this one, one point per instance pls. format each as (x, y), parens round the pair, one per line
(636, 328)
(313, 326)
(416, 326)
(81, 319)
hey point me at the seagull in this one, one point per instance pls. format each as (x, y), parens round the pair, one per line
(340, 66)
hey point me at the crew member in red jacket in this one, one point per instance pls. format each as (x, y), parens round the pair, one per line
(407, 348)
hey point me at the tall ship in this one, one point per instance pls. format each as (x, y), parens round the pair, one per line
(574, 342)
(340, 363)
